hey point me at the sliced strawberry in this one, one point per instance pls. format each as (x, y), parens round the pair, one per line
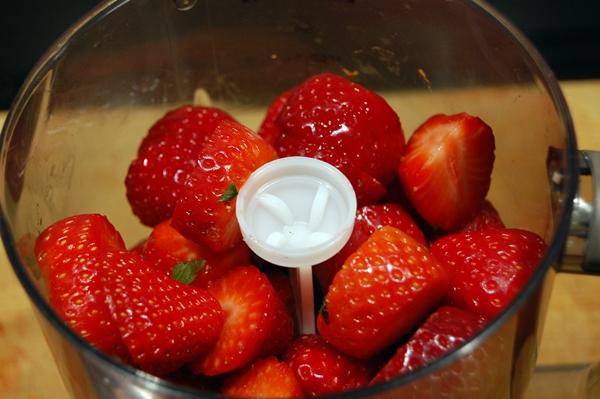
(446, 169)
(444, 330)
(486, 218)
(269, 130)
(488, 268)
(165, 158)
(68, 253)
(206, 211)
(368, 219)
(254, 318)
(164, 324)
(382, 291)
(321, 369)
(166, 248)
(267, 378)
(340, 122)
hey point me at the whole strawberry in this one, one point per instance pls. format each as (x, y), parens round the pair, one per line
(381, 293)
(167, 250)
(165, 158)
(369, 218)
(488, 268)
(163, 323)
(256, 322)
(205, 212)
(446, 169)
(321, 369)
(444, 330)
(266, 378)
(68, 253)
(343, 123)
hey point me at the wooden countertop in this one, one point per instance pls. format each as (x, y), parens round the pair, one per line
(27, 370)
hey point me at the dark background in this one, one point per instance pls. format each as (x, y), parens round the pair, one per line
(567, 33)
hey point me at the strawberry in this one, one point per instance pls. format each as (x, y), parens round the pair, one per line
(164, 324)
(486, 218)
(321, 369)
(267, 378)
(68, 253)
(340, 122)
(165, 158)
(369, 218)
(444, 330)
(74, 235)
(269, 130)
(206, 211)
(256, 322)
(446, 169)
(488, 268)
(166, 248)
(382, 291)
(280, 280)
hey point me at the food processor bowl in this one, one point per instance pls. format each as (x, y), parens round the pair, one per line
(76, 123)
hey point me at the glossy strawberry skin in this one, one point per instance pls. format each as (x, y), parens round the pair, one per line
(382, 291)
(444, 330)
(266, 378)
(229, 156)
(446, 169)
(488, 268)
(165, 158)
(166, 247)
(340, 122)
(486, 218)
(321, 369)
(68, 253)
(74, 235)
(164, 324)
(269, 129)
(256, 322)
(369, 218)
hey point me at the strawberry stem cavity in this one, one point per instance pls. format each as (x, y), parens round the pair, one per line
(186, 272)
(230, 193)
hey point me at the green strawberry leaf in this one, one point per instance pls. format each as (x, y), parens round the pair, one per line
(230, 193)
(186, 272)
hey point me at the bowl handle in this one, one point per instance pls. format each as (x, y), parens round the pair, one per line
(582, 249)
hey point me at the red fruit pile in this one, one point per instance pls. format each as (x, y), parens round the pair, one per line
(187, 304)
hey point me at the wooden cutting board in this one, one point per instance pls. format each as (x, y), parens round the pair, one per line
(27, 370)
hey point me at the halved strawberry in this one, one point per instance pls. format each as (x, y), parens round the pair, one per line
(266, 378)
(335, 120)
(444, 330)
(68, 253)
(382, 291)
(486, 218)
(269, 130)
(164, 324)
(165, 157)
(166, 248)
(488, 268)
(446, 169)
(254, 319)
(369, 218)
(321, 369)
(206, 211)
